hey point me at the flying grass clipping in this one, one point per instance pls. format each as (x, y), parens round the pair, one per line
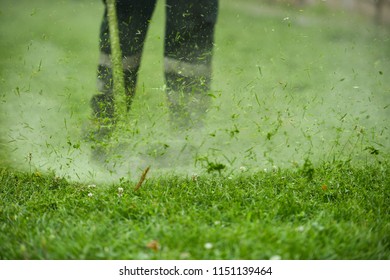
(116, 60)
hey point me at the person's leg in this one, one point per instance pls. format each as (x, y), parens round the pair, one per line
(133, 20)
(189, 39)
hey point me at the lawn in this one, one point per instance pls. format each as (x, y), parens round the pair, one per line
(292, 162)
(337, 212)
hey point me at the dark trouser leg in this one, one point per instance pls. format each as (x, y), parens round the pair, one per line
(188, 50)
(133, 20)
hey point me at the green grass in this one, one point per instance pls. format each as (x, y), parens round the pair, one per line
(251, 216)
(300, 101)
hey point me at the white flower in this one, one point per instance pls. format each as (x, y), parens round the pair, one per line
(275, 258)
(208, 245)
(120, 192)
(92, 186)
(300, 228)
(90, 194)
(243, 168)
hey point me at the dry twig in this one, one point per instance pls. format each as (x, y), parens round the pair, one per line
(142, 179)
